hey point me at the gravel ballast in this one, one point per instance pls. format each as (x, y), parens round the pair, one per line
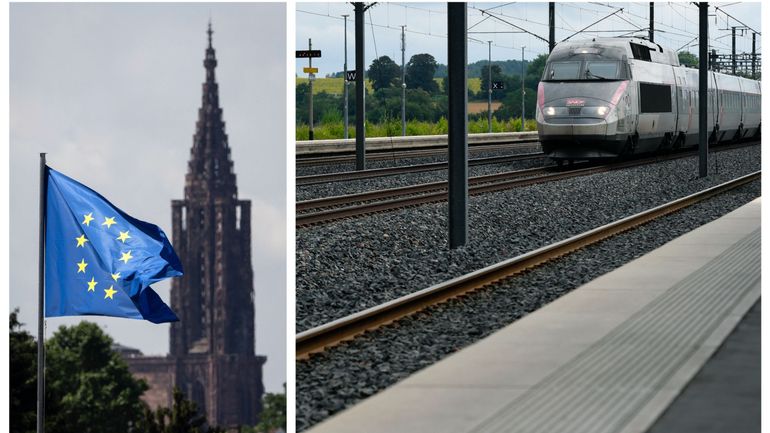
(344, 375)
(402, 161)
(349, 265)
(330, 189)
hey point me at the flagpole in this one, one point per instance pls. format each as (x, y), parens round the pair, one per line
(41, 303)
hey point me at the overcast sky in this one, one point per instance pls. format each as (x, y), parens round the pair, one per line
(676, 25)
(111, 93)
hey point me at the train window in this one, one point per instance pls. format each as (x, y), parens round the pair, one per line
(599, 70)
(654, 98)
(640, 52)
(564, 71)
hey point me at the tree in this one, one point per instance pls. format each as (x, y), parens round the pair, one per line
(497, 75)
(534, 72)
(182, 417)
(471, 95)
(88, 385)
(689, 59)
(22, 378)
(511, 107)
(322, 103)
(537, 65)
(301, 95)
(420, 71)
(273, 413)
(383, 73)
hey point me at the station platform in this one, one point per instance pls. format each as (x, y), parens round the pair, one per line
(610, 356)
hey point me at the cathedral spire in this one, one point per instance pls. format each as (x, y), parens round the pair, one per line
(210, 170)
(211, 351)
(210, 32)
(210, 62)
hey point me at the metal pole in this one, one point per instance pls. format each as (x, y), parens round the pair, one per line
(360, 89)
(522, 89)
(457, 90)
(310, 79)
(489, 88)
(733, 57)
(41, 301)
(345, 80)
(652, 22)
(754, 55)
(703, 90)
(551, 26)
(403, 82)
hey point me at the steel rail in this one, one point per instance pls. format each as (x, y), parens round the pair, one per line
(390, 171)
(390, 193)
(439, 150)
(321, 337)
(328, 209)
(434, 192)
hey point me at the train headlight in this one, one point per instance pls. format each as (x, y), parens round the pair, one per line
(602, 111)
(550, 111)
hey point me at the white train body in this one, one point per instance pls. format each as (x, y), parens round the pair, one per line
(607, 97)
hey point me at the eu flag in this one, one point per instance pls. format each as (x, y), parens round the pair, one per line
(99, 260)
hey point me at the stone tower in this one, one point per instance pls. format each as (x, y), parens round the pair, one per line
(213, 343)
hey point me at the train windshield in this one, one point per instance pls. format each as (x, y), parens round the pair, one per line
(565, 71)
(584, 70)
(601, 70)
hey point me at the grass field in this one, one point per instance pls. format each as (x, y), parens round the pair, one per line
(333, 130)
(480, 107)
(333, 86)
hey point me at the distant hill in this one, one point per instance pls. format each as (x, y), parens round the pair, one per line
(508, 67)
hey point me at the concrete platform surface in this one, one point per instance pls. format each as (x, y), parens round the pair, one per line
(609, 356)
(725, 395)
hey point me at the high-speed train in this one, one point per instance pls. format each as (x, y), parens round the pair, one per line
(611, 97)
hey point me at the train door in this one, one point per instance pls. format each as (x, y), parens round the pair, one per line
(742, 103)
(713, 108)
(681, 101)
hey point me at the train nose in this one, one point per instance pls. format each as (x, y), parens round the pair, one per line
(574, 116)
(578, 128)
(573, 127)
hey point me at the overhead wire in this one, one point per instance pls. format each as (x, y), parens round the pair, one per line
(716, 8)
(415, 32)
(374, 39)
(665, 31)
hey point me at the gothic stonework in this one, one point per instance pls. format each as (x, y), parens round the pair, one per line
(211, 355)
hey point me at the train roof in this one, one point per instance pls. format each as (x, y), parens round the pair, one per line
(631, 47)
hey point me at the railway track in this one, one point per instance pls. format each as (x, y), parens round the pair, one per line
(330, 334)
(328, 209)
(390, 171)
(412, 153)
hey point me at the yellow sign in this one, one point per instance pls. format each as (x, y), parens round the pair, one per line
(310, 70)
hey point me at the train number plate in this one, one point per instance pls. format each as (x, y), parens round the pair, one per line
(575, 102)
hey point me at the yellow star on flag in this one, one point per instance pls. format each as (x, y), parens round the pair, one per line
(109, 292)
(88, 218)
(81, 241)
(109, 221)
(123, 236)
(82, 266)
(115, 276)
(91, 285)
(125, 257)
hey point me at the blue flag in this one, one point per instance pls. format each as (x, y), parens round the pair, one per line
(99, 260)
